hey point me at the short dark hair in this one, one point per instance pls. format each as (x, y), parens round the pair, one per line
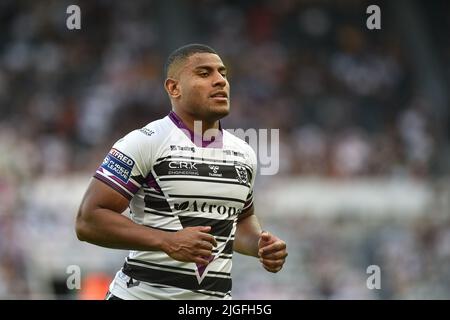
(185, 52)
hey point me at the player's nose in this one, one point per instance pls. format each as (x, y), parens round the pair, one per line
(219, 80)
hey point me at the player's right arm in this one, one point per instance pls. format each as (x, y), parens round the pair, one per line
(99, 222)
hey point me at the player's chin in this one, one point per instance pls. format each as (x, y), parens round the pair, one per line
(219, 110)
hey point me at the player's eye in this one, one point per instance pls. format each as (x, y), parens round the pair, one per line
(203, 74)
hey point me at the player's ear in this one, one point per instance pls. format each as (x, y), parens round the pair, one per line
(172, 87)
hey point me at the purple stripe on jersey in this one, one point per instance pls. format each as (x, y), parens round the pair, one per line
(151, 182)
(201, 268)
(112, 185)
(130, 186)
(215, 142)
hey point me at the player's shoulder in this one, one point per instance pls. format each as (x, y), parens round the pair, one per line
(154, 132)
(142, 144)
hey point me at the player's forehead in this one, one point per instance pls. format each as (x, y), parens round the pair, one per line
(204, 60)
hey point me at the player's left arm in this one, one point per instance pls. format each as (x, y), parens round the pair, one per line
(251, 240)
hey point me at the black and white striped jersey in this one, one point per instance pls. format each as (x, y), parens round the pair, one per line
(175, 180)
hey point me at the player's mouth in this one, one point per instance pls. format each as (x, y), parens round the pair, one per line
(220, 96)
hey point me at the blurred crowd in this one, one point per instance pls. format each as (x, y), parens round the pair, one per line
(344, 98)
(332, 257)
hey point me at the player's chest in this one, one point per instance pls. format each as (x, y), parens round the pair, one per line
(223, 173)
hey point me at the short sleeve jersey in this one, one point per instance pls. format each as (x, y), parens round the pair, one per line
(175, 180)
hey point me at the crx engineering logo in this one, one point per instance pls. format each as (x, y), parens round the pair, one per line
(207, 208)
(183, 168)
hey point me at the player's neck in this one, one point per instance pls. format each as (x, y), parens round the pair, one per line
(195, 125)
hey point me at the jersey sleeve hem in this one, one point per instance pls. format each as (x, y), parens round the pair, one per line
(114, 186)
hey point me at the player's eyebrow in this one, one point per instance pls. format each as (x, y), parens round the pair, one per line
(210, 68)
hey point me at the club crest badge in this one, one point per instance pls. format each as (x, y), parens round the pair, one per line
(241, 174)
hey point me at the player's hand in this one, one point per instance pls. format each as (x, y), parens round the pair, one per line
(272, 252)
(191, 244)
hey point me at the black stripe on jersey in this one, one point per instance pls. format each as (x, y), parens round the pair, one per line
(179, 280)
(204, 197)
(139, 179)
(151, 264)
(193, 178)
(168, 157)
(219, 273)
(154, 193)
(228, 248)
(157, 213)
(225, 162)
(240, 173)
(152, 190)
(218, 227)
(218, 295)
(214, 294)
(157, 204)
(223, 256)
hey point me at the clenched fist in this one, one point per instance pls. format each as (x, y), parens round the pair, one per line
(192, 244)
(271, 251)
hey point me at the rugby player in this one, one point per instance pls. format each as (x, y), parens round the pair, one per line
(189, 187)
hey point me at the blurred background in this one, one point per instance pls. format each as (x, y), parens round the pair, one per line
(364, 135)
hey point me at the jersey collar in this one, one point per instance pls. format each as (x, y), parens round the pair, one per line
(215, 142)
